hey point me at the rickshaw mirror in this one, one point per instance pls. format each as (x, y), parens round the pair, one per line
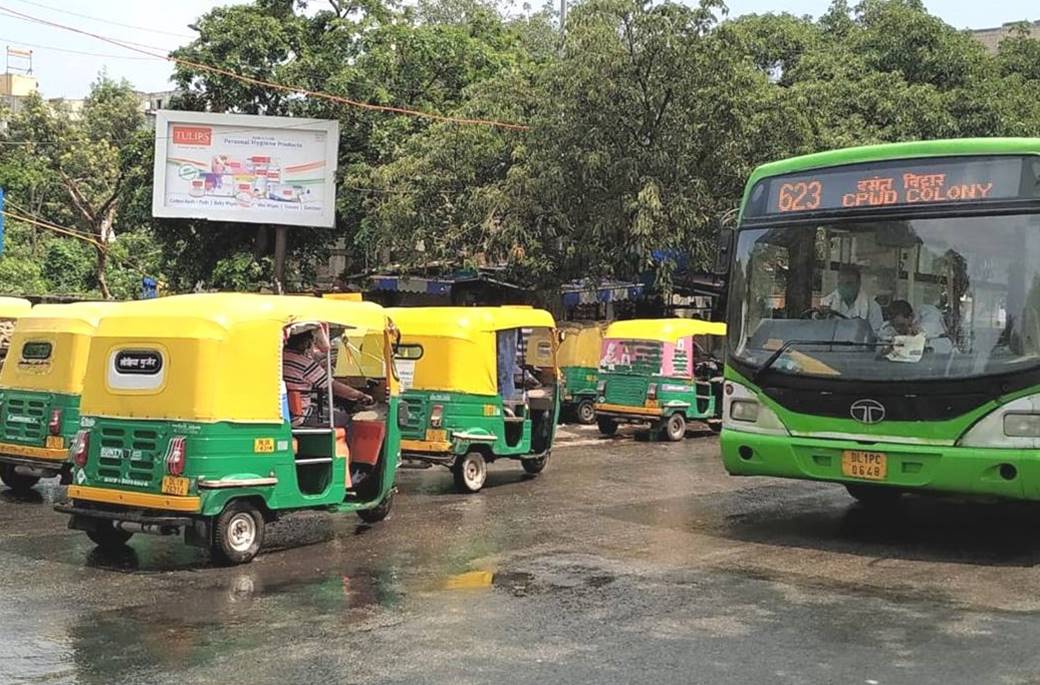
(561, 335)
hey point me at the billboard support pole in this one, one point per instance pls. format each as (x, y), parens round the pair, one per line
(280, 244)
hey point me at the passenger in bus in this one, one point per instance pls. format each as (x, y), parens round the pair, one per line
(928, 320)
(849, 299)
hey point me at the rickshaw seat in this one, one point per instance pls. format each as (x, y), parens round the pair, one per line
(365, 441)
(342, 450)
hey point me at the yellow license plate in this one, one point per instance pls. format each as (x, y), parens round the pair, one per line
(865, 465)
(55, 442)
(436, 435)
(175, 485)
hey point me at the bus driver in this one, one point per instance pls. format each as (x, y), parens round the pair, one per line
(850, 300)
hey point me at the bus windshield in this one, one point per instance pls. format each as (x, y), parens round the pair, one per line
(912, 299)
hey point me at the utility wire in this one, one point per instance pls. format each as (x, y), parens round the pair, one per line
(276, 86)
(73, 52)
(104, 21)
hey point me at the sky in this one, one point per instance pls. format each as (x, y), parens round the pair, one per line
(162, 24)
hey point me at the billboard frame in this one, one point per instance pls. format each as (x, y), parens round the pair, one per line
(248, 123)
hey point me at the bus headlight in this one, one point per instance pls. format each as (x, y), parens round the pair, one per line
(1015, 425)
(742, 411)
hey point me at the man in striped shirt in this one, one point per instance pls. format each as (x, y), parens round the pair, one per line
(304, 373)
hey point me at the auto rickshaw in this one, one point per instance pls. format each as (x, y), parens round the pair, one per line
(658, 372)
(188, 424)
(579, 367)
(11, 309)
(480, 384)
(40, 390)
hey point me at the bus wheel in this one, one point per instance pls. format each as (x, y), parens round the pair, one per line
(607, 426)
(536, 465)
(238, 533)
(16, 481)
(108, 537)
(470, 472)
(586, 412)
(674, 428)
(873, 495)
(378, 512)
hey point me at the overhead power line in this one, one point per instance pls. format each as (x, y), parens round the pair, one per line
(272, 85)
(105, 21)
(38, 46)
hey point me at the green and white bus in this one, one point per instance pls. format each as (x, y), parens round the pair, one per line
(884, 320)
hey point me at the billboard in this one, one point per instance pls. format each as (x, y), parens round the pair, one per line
(235, 167)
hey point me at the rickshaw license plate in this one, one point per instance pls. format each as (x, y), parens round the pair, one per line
(55, 442)
(175, 485)
(865, 465)
(436, 435)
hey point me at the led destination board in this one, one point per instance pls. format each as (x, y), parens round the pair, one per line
(894, 184)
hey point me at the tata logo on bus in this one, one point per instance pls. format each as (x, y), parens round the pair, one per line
(193, 135)
(867, 411)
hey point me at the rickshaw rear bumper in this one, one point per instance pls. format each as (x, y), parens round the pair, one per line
(84, 517)
(629, 414)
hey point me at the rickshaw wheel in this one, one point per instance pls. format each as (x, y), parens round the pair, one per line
(16, 481)
(586, 412)
(238, 533)
(607, 426)
(470, 472)
(378, 512)
(674, 428)
(535, 465)
(108, 537)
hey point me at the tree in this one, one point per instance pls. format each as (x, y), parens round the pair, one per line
(75, 164)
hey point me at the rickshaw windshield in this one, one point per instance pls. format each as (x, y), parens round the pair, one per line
(647, 357)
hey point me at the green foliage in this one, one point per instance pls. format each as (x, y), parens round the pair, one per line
(644, 122)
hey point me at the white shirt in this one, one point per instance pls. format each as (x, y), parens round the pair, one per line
(929, 321)
(862, 307)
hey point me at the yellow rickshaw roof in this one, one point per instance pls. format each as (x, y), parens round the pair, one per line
(14, 307)
(464, 322)
(75, 317)
(201, 313)
(662, 330)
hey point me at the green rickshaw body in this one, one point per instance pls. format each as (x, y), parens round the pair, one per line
(480, 384)
(652, 372)
(40, 388)
(578, 357)
(579, 383)
(186, 421)
(947, 407)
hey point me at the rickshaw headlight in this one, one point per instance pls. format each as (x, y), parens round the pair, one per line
(437, 416)
(55, 422)
(175, 456)
(601, 387)
(80, 448)
(651, 391)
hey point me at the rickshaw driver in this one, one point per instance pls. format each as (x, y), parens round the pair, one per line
(302, 373)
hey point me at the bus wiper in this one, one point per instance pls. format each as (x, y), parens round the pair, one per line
(791, 343)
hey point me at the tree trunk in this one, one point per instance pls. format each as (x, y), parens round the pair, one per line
(102, 262)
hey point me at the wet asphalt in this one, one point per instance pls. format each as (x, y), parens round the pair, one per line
(625, 561)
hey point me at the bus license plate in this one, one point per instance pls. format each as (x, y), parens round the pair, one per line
(865, 465)
(55, 442)
(174, 485)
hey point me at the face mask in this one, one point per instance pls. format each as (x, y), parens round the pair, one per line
(848, 292)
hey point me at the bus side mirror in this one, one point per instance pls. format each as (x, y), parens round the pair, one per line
(723, 253)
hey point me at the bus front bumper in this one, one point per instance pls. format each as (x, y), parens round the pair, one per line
(1006, 473)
